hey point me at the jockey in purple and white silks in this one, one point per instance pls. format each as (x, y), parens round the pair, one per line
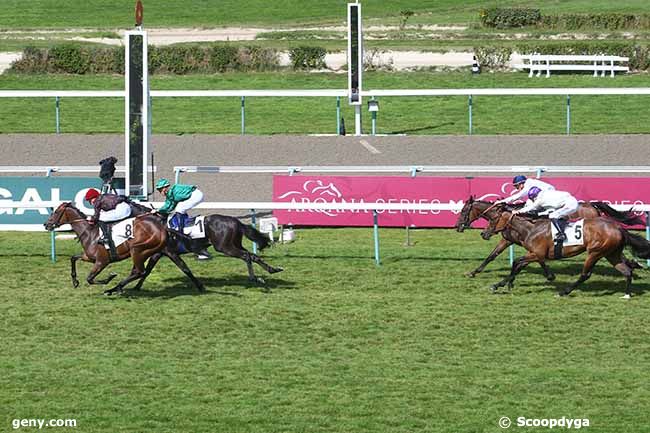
(523, 185)
(556, 204)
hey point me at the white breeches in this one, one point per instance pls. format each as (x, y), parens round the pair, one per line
(185, 205)
(570, 206)
(121, 211)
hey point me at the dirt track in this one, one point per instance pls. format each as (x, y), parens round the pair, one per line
(173, 150)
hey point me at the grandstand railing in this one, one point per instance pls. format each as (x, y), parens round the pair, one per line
(337, 93)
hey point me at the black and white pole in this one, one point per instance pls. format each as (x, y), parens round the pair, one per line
(476, 68)
(137, 131)
(355, 62)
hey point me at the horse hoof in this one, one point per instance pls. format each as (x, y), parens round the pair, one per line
(75, 283)
(275, 270)
(494, 288)
(550, 278)
(626, 296)
(561, 294)
(108, 293)
(260, 280)
(470, 274)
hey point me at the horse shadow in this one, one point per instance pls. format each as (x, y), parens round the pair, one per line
(180, 286)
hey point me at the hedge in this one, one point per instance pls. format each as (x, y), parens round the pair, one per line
(497, 57)
(506, 18)
(71, 59)
(308, 57)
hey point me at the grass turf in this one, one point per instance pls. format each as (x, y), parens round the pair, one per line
(411, 115)
(338, 345)
(206, 13)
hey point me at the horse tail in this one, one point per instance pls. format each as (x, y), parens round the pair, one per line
(627, 217)
(639, 245)
(256, 236)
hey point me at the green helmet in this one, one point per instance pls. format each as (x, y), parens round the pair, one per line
(162, 183)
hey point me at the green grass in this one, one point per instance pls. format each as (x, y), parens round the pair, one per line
(210, 13)
(338, 345)
(435, 115)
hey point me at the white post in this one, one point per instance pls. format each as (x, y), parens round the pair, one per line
(357, 120)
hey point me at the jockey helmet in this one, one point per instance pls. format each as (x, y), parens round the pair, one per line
(518, 179)
(162, 183)
(91, 194)
(533, 192)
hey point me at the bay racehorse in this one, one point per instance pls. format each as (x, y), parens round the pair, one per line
(475, 209)
(602, 237)
(225, 234)
(149, 241)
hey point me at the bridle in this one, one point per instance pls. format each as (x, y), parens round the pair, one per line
(63, 207)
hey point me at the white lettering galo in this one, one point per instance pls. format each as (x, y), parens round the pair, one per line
(31, 195)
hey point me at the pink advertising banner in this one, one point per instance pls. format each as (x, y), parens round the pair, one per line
(413, 190)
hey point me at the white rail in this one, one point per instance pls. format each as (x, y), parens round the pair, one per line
(259, 205)
(412, 168)
(331, 92)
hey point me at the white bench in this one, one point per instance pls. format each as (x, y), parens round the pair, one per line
(596, 63)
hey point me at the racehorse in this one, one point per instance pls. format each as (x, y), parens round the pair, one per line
(602, 237)
(149, 241)
(475, 209)
(225, 234)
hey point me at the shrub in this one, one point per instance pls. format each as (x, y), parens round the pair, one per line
(69, 59)
(493, 57)
(606, 21)
(507, 18)
(223, 58)
(307, 57)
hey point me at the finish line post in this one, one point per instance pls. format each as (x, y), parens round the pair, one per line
(136, 109)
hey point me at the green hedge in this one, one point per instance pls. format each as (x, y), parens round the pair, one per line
(605, 21)
(497, 57)
(506, 18)
(308, 57)
(71, 59)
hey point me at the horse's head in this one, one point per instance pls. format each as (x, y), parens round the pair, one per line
(498, 222)
(467, 215)
(63, 214)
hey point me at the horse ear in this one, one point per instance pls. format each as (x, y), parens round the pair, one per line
(471, 199)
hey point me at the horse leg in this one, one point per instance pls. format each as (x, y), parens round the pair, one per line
(517, 266)
(136, 272)
(588, 266)
(97, 268)
(268, 268)
(620, 264)
(73, 269)
(548, 273)
(231, 245)
(153, 260)
(501, 246)
(186, 270)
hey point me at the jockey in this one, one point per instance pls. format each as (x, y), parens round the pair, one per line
(523, 185)
(556, 204)
(178, 199)
(108, 208)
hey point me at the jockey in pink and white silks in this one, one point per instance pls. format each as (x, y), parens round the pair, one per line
(523, 185)
(556, 204)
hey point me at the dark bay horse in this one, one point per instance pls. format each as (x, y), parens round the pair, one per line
(474, 209)
(150, 241)
(225, 234)
(602, 238)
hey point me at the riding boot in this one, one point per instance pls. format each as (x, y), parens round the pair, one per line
(559, 224)
(103, 240)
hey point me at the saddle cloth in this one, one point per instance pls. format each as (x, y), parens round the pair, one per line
(121, 232)
(194, 227)
(574, 232)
